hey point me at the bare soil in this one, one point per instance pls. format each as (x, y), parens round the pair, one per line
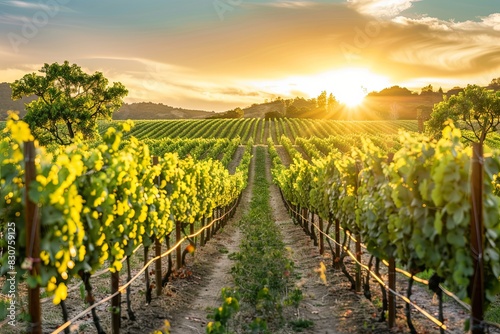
(284, 156)
(238, 155)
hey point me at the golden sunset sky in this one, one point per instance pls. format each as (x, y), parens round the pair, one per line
(220, 54)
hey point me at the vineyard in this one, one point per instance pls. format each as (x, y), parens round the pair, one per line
(95, 206)
(414, 206)
(258, 129)
(389, 201)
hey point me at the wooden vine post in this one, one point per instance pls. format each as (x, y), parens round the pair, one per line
(391, 302)
(391, 297)
(191, 231)
(178, 227)
(337, 242)
(32, 240)
(313, 230)
(358, 239)
(358, 266)
(158, 277)
(321, 236)
(202, 236)
(115, 303)
(476, 286)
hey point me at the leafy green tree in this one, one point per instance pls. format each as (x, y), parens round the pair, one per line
(477, 107)
(238, 113)
(233, 113)
(332, 103)
(427, 90)
(321, 101)
(494, 84)
(69, 102)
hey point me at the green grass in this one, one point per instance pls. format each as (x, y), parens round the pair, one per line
(301, 324)
(262, 259)
(493, 313)
(262, 270)
(427, 274)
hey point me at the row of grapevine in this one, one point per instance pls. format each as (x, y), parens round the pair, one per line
(316, 147)
(415, 208)
(198, 149)
(259, 129)
(96, 205)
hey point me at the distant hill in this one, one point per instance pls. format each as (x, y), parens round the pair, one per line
(279, 106)
(6, 102)
(149, 110)
(143, 110)
(259, 110)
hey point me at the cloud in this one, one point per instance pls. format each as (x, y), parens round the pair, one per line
(493, 21)
(381, 8)
(208, 62)
(176, 85)
(483, 25)
(430, 22)
(12, 19)
(448, 46)
(27, 5)
(289, 4)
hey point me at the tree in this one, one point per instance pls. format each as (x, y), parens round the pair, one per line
(332, 103)
(454, 91)
(238, 113)
(427, 90)
(477, 107)
(234, 113)
(321, 101)
(69, 102)
(494, 84)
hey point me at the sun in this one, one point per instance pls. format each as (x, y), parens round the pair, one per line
(349, 85)
(351, 96)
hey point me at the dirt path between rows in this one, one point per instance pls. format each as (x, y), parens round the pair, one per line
(192, 318)
(235, 162)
